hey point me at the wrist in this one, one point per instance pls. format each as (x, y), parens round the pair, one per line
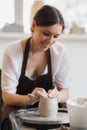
(30, 99)
(59, 97)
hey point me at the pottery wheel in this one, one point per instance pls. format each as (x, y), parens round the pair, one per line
(33, 117)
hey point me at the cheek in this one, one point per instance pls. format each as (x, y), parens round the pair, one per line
(40, 37)
(36, 36)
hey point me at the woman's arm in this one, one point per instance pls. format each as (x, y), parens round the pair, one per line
(63, 94)
(15, 99)
(23, 100)
(61, 70)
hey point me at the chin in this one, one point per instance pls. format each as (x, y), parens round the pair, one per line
(45, 49)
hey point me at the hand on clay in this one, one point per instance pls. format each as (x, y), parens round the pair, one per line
(36, 94)
(53, 93)
(39, 92)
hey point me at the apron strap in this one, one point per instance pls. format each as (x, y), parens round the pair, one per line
(49, 75)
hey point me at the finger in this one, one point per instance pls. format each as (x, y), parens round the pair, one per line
(52, 93)
(41, 94)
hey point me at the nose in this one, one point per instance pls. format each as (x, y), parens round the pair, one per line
(51, 40)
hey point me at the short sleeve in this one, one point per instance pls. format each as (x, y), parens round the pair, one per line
(11, 67)
(63, 76)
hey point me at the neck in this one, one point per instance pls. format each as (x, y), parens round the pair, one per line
(33, 47)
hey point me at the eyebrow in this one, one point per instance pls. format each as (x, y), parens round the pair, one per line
(49, 32)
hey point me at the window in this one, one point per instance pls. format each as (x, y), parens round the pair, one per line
(6, 12)
(74, 12)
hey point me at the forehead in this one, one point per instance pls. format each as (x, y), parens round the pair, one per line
(56, 28)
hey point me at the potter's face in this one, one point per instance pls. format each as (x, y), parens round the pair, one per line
(44, 37)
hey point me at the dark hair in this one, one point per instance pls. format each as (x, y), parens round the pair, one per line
(48, 15)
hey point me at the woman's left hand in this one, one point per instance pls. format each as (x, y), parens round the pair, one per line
(53, 93)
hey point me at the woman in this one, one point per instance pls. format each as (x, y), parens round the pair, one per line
(37, 66)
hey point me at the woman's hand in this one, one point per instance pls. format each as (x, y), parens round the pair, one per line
(40, 92)
(36, 94)
(53, 93)
(62, 94)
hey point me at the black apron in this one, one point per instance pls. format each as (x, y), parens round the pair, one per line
(27, 85)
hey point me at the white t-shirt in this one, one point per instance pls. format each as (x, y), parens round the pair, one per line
(12, 63)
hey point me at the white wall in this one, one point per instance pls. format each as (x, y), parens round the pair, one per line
(77, 49)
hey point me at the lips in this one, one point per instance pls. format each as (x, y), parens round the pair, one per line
(46, 45)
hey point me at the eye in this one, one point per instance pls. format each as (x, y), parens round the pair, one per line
(49, 34)
(46, 33)
(56, 36)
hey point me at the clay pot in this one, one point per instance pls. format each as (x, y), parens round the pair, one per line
(48, 107)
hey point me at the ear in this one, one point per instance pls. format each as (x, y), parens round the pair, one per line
(33, 25)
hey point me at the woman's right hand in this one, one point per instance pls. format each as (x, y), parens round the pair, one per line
(36, 94)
